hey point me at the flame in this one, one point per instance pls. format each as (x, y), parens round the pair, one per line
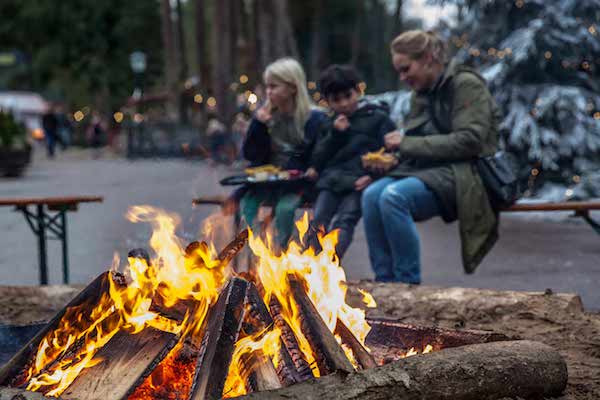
(325, 278)
(368, 299)
(193, 275)
(263, 344)
(170, 277)
(412, 352)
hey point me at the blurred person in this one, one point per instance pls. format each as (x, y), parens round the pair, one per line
(50, 124)
(96, 133)
(282, 132)
(217, 136)
(452, 121)
(355, 127)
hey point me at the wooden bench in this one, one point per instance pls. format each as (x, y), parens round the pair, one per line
(42, 222)
(580, 208)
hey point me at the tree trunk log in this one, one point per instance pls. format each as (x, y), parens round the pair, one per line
(477, 372)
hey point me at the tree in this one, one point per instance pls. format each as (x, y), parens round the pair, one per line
(542, 61)
(78, 53)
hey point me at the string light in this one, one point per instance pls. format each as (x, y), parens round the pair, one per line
(138, 118)
(585, 65)
(519, 3)
(312, 85)
(548, 55)
(253, 98)
(198, 98)
(535, 172)
(362, 86)
(211, 102)
(592, 30)
(78, 116)
(576, 178)
(316, 96)
(118, 116)
(597, 115)
(569, 192)
(244, 79)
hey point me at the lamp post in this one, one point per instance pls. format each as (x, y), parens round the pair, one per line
(137, 61)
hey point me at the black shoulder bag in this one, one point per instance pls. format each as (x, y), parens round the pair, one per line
(497, 171)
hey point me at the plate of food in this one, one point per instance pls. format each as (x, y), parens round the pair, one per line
(264, 174)
(379, 160)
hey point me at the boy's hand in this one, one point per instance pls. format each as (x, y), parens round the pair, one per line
(393, 139)
(361, 183)
(341, 123)
(263, 114)
(311, 174)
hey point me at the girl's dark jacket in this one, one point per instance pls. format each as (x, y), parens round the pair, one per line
(258, 149)
(337, 155)
(441, 154)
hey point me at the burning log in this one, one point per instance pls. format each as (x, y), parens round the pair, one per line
(222, 327)
(259, 372)
(127, 360)
(258, 319)
(522, 369)
(232, 249)
(362, 356)
(301, 370)
(13, 371)
(330, 356)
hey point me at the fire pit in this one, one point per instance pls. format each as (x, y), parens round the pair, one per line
(184, 326)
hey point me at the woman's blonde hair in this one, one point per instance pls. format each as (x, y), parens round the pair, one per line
(289, 70)
(417, 43)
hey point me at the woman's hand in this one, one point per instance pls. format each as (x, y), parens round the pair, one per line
(263, 114)
(361, 183)
(393, 139)
(311, 174)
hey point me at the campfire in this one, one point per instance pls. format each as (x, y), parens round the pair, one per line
(184, 325)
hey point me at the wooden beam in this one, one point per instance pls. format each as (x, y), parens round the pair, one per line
(329, 354)
(515, 369)
(127, 360)
(221, 330)
(362, 356)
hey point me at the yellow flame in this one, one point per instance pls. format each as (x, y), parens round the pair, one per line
(325, 278)
(266, 343)
(170, 277)
(368, 299)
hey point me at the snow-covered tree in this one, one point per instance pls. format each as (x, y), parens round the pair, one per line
(542, 61)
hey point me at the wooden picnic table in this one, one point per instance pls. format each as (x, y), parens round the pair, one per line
(37, 212)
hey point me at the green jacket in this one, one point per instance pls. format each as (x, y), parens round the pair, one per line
(441, 152)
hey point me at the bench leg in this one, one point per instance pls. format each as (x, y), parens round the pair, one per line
(42, 248)
(63, 219)
(586, 216)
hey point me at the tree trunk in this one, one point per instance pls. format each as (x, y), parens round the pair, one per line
(264, 40)
(182, 63)
(356, 33)
(201, 53)
(222, 63)
(285, 41)
(316, 47)
(170, 58)
(488, 371)
(398, 22)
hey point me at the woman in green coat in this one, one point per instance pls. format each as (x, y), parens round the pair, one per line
(452, 122)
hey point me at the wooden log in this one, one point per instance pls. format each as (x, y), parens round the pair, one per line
(20, 362)
(259, 372)
(127, 360)
(489, 371)
(232, 249)
(330, 356)
(220, 332)
(361, 355)
(301, 370)
(20, 394)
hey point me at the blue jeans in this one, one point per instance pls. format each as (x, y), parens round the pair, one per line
(390, 208)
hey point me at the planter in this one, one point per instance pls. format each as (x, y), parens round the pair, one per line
(13, 162)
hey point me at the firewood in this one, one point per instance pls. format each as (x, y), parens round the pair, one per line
(488, 371)
(259, 372)
(233, 248)
(20, 362)
(127, 360)
(301, 367)
(330, 356)
(362, 356)
(220, 332)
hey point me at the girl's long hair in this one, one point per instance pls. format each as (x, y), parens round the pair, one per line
(289, 70)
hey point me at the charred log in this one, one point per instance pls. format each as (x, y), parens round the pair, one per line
(362, 356)
(330, 356)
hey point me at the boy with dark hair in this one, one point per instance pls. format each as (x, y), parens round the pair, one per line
(354, 128)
